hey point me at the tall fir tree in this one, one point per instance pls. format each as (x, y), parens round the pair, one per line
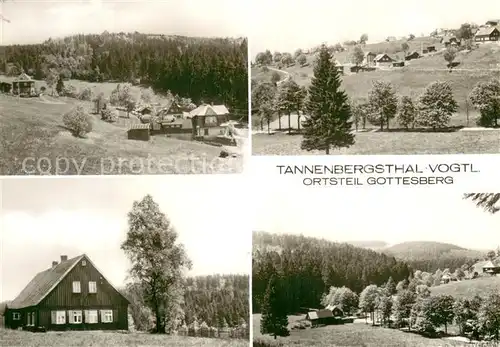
(274, 320)
(329, 122)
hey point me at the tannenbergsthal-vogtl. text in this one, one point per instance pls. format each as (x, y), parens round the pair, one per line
(377, 174)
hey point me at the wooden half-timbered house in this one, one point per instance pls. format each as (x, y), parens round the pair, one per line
(71, 295)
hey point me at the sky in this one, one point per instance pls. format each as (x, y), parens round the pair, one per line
(390, 215)
(33, 21)
(285, 25)
(71, 216)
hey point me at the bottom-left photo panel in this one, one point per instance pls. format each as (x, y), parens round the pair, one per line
(124, 261)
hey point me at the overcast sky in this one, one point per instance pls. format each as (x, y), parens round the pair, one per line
(285, 25)
(35, 21)
(390, 215)
(71, 216)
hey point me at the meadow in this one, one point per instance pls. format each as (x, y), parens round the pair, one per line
(33, 140)
(104, 339)
(356, 334)
(481, 286)
(367, 143)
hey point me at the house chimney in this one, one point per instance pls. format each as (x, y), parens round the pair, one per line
(64, 258)
(54, 264)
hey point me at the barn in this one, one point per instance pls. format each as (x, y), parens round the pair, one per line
(329, 315)
(492, 267)
(139, 132)
(70, 295)
(412, 55)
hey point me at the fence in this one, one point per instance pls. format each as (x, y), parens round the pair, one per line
(236, 333)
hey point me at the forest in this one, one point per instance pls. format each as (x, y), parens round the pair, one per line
(203, 69)
(307, 267)
(219, 301)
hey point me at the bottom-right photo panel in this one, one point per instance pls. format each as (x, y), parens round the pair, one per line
(377, 268)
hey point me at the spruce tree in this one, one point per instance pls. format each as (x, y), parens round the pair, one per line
(60, 85)
(274, 320)
(329, 122)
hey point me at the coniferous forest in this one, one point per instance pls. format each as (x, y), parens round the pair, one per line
(307, 267)
(203, 69)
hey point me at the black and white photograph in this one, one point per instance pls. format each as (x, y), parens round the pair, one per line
(366, 78)
(124, 261)
(108, 87)
(387, 268)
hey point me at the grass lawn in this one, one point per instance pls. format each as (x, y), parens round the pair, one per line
(33, 140)
(466, 142)
(104, 339)
(357, 334)
(467, 289)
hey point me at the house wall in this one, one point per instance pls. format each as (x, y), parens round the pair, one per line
(63, 298)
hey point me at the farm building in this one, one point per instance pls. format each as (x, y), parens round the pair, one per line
(492, 267)
(412, 55)
(368, 60)
(487, 35)
(431, 49)
(493, 22)
(398, 64)
(23, 85)
(325, 316)
(383, 60)
(207, 120)
(69, 295)
(139, 132)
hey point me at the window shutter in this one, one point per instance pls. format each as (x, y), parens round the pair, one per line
(86, 312)
(102, 316)
(70, 317)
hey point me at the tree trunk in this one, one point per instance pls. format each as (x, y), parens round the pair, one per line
(289, 123)
(262, 125)
(327, 151)
(275, 336)
(446, 328)
(279, 121)
(298, 121)
(268, 126)
(387, 123)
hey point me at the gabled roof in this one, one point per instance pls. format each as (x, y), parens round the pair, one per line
(486, 31)
(492, 264)
(43, 283)
(23, 77)
(381, 55)
(209, 110)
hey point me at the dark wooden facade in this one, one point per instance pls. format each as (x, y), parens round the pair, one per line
(94, 307)
(139, 132)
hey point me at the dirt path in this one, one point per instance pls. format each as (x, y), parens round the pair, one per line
(286, 73)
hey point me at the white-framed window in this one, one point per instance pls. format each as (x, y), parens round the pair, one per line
(75, 317)
(76, 287)
(91, 317)
(84, 262)
(58, 317)
(92, 287)
(106, 316)
(16, 316)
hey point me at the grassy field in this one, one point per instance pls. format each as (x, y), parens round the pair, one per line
(104, 339)
(466, 142)
(33, 140)
(357, 334)
(467, 289)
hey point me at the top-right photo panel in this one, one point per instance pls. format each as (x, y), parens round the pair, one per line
(367, 78)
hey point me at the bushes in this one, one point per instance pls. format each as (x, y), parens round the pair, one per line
(109, 115)
(85, 94)
(78, 122)
(262, 342)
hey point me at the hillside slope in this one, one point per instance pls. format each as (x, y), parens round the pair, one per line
(467, 289)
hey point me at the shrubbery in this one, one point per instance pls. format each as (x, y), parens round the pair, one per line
(108, 115)
(78, 122)
(85, 94)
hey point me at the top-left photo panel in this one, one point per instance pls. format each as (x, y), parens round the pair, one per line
(98, 87)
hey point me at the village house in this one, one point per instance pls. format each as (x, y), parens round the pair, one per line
(489, 34)
(368, 60)
(70, 295)
(492, 267)
(383, 60)
(207, 120)
(23, 85)
(431, 49)
(493, 22)
(412, 55)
